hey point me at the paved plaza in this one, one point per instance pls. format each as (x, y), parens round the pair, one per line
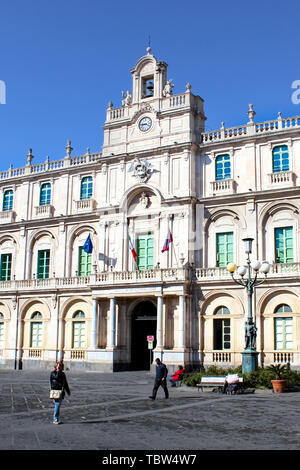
(113, 412)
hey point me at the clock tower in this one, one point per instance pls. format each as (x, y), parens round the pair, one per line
(151, 115)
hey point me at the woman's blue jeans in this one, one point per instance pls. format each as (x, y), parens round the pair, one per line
(57, 404)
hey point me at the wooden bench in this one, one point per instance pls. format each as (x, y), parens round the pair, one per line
(214, 382)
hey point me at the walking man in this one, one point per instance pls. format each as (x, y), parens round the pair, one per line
(160, 379)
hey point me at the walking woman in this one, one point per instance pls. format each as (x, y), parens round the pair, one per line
(58, 381)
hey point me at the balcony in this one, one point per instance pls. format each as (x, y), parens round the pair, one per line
(139, 278)
(85, 205)
(7, 217)
(282, 178)
(223, 187)
(44, 212)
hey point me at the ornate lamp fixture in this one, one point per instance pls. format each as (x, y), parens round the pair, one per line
(250, 355)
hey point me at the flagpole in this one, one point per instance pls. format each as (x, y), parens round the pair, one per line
(175, 254)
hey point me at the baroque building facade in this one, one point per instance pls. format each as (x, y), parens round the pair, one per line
(159, 174)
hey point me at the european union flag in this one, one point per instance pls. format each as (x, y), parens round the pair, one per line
(88, 246)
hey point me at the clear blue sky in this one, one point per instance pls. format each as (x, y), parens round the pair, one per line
(63, 60)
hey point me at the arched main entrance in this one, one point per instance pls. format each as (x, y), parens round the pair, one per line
(143, 325)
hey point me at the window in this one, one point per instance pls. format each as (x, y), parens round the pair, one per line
(223, 167)
(36, 330)
(84, 262)
(284, 245)
(283, 308)
(283, 328)
(224, 244)
(1, 330)
(43, 264)
(78, 334)
(283, 333)
(5, 267)
(222, 329)
(145, 251)
(8, 198)
(45, 194)
(280, 158)
(86, 190)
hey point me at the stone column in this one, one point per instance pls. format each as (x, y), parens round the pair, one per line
(112, 331)
(19, 343)
(60, 338)
(94, 336)
(181, 329)
(159, 322)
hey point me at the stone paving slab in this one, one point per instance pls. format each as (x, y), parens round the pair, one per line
(112, 412)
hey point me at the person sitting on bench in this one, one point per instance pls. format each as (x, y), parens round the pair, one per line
(231, 384)
(177, 376)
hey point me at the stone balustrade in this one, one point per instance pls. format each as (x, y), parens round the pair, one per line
(282, 177)
(86, 159)
(251, 129)
(150, 276)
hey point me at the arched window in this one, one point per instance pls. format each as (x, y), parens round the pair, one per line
(1, 331)
(223, 167)
(8, 198)
(36, 330)
(280, 158)
(86, 189)
(283, 308)
(78, 330)
(45, 194)
(283, 328)
(222, 333)
(222, 311)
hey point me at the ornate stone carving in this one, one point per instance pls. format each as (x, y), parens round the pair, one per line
(144, 200)
(142, 169)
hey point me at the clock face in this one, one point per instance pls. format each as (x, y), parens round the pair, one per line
(145, 123)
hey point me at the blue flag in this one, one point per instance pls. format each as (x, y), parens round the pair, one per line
(88, 246)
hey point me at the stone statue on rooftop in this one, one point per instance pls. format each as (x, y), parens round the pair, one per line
(127, 98)
(167, 91)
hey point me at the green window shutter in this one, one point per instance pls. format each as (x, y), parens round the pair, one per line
(36, 334)
(78, 334)
(84, 262)
(284, 252)
(145, 251)
(222, 334)
(5, 270)
(43, 264)
(224, 248)
(1, 334)
(283, 333)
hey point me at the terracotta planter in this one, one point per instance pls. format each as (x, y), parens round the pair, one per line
(279, 386)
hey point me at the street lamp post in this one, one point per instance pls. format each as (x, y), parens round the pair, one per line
(249, 355)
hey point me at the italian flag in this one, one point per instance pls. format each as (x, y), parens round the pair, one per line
(132, 248)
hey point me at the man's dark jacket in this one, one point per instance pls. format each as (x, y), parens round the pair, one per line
(161, 371)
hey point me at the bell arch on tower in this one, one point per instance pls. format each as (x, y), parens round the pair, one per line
(149, 78)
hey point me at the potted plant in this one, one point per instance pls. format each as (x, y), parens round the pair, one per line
(279, 383)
